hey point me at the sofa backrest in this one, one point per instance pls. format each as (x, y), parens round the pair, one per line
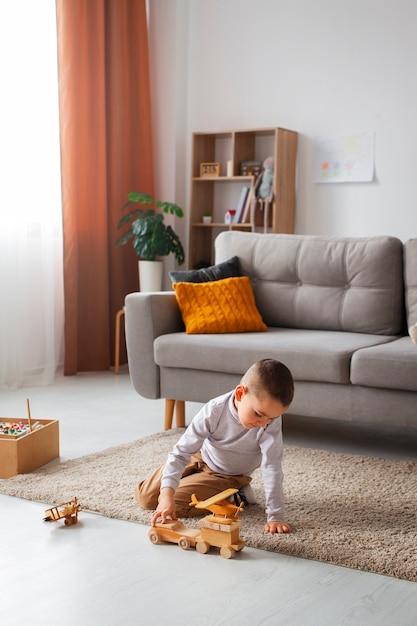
(323, 283)
(410, 280)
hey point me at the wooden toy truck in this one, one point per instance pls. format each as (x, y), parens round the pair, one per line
(221, 529)
(67, 511)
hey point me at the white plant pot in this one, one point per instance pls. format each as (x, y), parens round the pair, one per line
(150, 275)
(207, 219)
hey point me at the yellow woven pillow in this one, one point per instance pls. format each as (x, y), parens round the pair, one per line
(221, 306)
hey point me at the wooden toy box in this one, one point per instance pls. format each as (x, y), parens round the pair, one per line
(21, 455)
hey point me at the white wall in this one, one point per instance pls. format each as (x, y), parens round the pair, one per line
(318, 67)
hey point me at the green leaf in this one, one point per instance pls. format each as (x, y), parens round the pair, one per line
(124, 238)
(169, 207)
(140, 197)
(126, 218)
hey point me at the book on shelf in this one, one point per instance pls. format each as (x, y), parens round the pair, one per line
(241, 205)
(246, 217)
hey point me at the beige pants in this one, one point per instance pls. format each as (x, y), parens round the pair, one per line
(197, 479)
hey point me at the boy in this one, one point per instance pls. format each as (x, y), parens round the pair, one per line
(226, 441)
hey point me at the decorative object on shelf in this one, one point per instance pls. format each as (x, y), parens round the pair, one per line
(151, 237)
(229, 168)
(250, 168)
(230, 216)
(207, 217)
(210, 170)
(263, 191)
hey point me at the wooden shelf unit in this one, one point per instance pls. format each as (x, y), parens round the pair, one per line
(220, 194)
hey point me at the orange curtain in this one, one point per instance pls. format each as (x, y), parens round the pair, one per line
(106, 151)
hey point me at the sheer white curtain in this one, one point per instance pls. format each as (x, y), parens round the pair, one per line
(31, 280)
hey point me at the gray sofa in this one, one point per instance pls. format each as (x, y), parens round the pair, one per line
(337, 311)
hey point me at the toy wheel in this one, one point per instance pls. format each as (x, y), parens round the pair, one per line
(202, 547)
(184, 543)
(154, 537)
(226, 552)
(68, 521)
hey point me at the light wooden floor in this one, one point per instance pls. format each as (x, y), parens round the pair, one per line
(106, 572)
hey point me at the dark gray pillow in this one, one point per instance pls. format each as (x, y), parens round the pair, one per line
(227, 269)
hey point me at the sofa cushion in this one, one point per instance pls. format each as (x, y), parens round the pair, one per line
(322, 283)
(410, 280)
(321, 356)
(389, 366)
(227, 269)
(222, 306)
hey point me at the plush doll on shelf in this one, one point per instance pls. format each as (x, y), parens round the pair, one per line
(263, 191)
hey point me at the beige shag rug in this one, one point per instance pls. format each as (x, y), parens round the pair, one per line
(349, 510)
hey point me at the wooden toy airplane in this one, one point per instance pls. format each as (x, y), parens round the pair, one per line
(66, 510)
(219, 504)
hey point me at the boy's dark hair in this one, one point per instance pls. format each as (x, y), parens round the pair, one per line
(272, 377)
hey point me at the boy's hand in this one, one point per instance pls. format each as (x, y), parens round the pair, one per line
(166, 507)
(277, 527)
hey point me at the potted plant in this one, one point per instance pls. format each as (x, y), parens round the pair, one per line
(207, 217)
(151, 237)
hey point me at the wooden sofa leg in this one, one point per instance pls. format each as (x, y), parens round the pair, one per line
(179, 406)
(169, 412)
(180, 413)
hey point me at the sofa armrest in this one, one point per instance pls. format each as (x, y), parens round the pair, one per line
(147, 316)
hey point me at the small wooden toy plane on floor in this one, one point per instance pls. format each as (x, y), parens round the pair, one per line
(221, 529)
(66, 510)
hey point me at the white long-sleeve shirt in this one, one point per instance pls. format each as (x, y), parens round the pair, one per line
(229, 448)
